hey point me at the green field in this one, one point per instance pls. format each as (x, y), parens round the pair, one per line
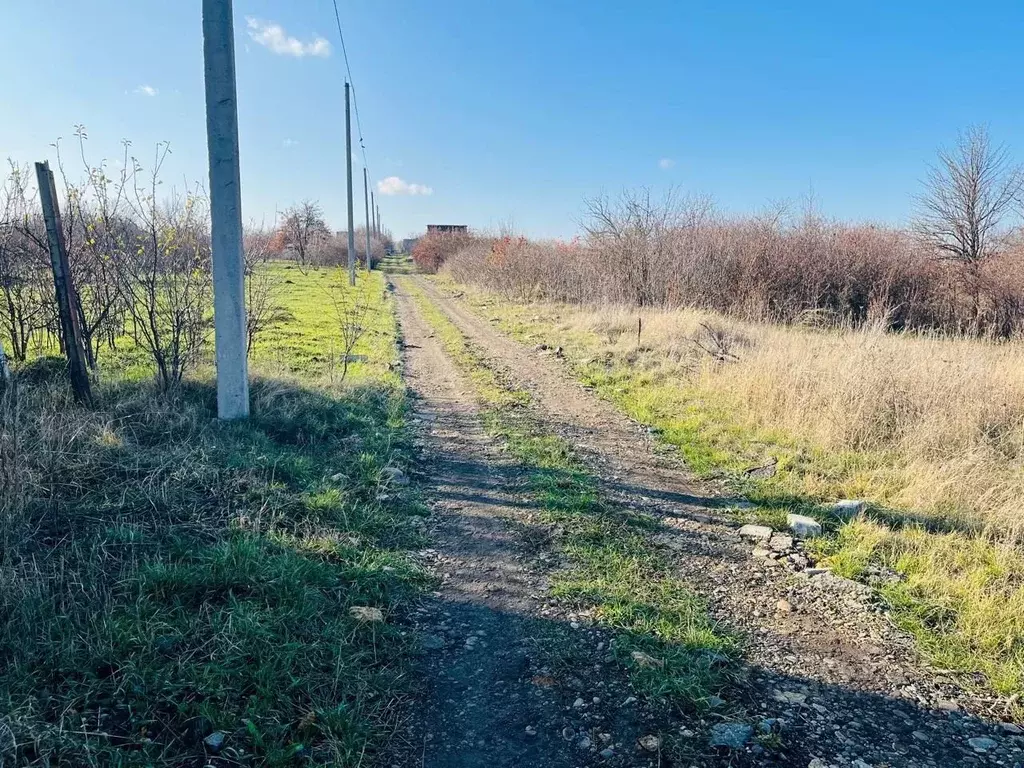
(178, 590)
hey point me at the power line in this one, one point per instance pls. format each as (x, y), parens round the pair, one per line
(348, 70)
(344, 50)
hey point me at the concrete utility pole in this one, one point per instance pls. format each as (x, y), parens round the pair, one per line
(351, 209)
(373, 216)
(380, 229)
(225, 211)
(366, 204)
(67, 298)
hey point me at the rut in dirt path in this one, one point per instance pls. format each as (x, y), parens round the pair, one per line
(488, 693)
(820, 656)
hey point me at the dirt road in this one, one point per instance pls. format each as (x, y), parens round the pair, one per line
(825, 679)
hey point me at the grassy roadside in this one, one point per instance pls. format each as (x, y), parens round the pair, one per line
(179, 590)
(957, 591)
(664, 635)
(305, 340)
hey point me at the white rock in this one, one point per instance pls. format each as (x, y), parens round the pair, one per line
(803, 527)
(650, 743)
(215, 741)
(365, 613)
(847, 509)
(395, 476)
(982, 744)
(790, 697)
(731, 735)
(756, 532)
(645, 660)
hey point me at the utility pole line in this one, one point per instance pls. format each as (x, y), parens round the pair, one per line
(225, 211)
(67, 299)
(351, 210)
(366, 204)
(380, 229)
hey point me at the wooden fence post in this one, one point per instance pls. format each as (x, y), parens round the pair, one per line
(5, 371)
(67, 299)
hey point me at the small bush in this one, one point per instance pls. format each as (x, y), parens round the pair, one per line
(433, 249)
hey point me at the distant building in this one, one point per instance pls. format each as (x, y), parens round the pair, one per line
(447, 229)
(409, 243)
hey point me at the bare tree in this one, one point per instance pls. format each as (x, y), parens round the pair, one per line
(641, 236)
(165, 275)
(262, 285)
(352, 311)
(329, 251)
(304, 230)
(968, 195)
(97, 236)
(23, 273)
(376, 247)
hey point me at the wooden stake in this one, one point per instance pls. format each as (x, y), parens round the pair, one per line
(5, 371)
(67, 298)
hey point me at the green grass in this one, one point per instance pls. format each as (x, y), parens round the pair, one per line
(168, 575)
(958, 593)
(616, 572)
(397, 264)
(306, 340)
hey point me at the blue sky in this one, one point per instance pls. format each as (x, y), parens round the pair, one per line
(517, 110)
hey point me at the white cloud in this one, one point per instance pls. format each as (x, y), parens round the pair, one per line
(272, 36)
(393, 185)
(288, 143)
(147, 90)
(665, 163)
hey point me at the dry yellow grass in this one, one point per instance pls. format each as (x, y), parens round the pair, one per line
(948, 414)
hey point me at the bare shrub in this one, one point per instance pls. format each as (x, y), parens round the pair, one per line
(637, 238)
(165, 275)
(772, 267)
(721, 344)
(377, 248)
(331, 251)
(959, 269)
(434, 248)
(304, 232)
(24, 274)
(352, 311)
(140, 266)
(262, 285)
